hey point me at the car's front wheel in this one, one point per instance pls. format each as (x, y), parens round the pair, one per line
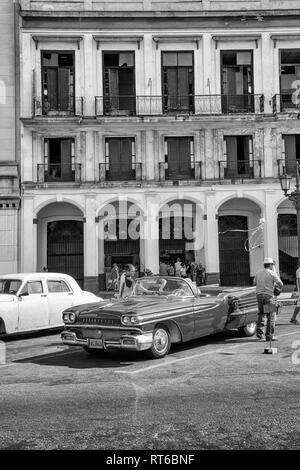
(161, 343)
(248, 330)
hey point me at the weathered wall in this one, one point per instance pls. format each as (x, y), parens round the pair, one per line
(9, 185)
(158, 5)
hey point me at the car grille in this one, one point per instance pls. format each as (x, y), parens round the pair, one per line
(99, 321)
(247, 303)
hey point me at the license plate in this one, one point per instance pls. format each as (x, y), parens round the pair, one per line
(95, 343)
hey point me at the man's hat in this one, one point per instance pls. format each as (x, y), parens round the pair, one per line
(269, 261)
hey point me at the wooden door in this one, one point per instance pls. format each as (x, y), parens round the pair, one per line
(233, 254)
(179, 158)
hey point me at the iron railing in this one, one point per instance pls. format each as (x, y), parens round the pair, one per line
(248, 169)
(285, 102)
(129, 105)
(194, 173)
(244, 103)
(111, 172)
(54, 172)
(289, 167)
(43, 108)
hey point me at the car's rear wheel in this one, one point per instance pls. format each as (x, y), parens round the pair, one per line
(248, 330)
(161, 343)
(93, 351)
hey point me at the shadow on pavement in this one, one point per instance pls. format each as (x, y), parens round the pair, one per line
(33, 334)
(77, 358)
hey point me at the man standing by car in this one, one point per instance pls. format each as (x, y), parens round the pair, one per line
(265, 281)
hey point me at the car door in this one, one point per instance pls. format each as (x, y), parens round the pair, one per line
(210, 315)
(60, 297)
(33, 306)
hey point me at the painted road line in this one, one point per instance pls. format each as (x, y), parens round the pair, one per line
(194, 356)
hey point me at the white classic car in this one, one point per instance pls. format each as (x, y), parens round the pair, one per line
(35, 301)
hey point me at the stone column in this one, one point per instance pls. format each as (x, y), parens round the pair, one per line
(90, 247)
(29, 232)
(270, 227)
(151, 235)
(211, 246)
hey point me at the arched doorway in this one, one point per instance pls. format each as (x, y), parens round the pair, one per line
(60, 240)
(120, 226)
(234, 258)
(177, 223)
(65, 248)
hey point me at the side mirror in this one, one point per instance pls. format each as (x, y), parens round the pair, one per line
(23, 294)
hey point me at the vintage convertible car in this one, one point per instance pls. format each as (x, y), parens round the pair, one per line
(161, 310)
(35, 301)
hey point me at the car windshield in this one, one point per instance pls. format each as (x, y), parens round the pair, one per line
(9, 286)
(162, 286)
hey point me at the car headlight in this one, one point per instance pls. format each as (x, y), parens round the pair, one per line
(130, 320)
(69, 317)
(72, 317)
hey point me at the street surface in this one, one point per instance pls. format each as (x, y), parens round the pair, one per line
(219, 392)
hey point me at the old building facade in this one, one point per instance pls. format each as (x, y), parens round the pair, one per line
(9, 175)
(137, 113)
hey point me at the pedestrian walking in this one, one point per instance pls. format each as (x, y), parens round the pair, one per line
(177, 267)
(265, 281)
(183, 270)
(163, 269)
(296, 311)
(170, 269)
(114, 275)
(298, 278)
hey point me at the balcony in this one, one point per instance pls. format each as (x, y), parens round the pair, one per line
(127, 105)
(285, 103)
(53, 173)
(153, 105)
(42, 108)
(244, 169)
(194, 174)
(111, 172)
(287, 167)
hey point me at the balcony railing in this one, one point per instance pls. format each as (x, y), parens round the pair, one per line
(42, 108)
(285, 102)
(289, 167)
(244, 169)
(151, 105)
(127, 105)
(54, 172)
(192, 174)
(111, 172)
(246, 103)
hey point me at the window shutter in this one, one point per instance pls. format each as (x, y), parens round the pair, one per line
(231, 156)
(52, 88)
(66, 159)
(290, 154)
(63, 89)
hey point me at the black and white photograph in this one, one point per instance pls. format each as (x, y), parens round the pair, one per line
(150, 228)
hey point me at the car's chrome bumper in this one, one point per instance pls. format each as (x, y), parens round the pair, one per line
(138, 342)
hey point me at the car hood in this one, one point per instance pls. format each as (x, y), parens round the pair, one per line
(136, 304)
(7, 298)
